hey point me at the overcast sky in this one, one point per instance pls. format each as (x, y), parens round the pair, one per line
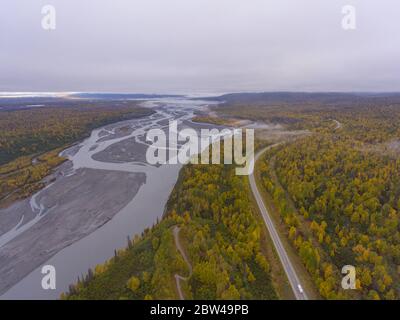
(201, 46)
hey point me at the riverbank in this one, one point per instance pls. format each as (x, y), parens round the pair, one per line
(104, 192)
(221, 242)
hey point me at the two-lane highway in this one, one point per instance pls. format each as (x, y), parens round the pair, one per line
(283, 256)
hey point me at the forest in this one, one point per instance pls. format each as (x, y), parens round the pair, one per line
(337, 190)
(340, 206)
(30, 131)
(219, 232)
(31, 139)
(24, 176)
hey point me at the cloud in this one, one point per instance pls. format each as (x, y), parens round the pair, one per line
(199, 45)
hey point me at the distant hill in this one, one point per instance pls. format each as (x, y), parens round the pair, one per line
(298, 97)
(121, 96)
(9, 103)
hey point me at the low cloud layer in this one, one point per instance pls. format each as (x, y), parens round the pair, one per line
(200, 46)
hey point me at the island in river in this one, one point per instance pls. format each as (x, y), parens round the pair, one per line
(104, 193)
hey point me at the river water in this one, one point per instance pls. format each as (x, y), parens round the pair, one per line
(141, 212)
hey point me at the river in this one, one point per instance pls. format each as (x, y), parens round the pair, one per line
(115, 151)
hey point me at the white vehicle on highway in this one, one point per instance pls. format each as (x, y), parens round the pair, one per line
(300, 288)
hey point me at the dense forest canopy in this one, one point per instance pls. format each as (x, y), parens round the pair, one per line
(338, 189)
(35, 130)
(220, 233)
